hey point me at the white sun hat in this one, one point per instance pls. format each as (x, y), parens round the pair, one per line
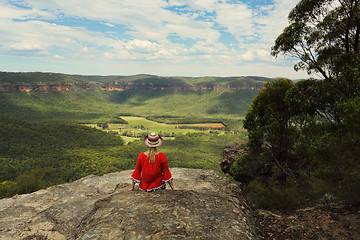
(153, 140)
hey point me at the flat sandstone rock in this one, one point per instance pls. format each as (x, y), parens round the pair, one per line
(207, 206)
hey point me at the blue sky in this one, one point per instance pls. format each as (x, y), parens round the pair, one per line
(161, 37)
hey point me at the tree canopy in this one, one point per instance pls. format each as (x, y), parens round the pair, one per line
(304, 137)
(322, 34)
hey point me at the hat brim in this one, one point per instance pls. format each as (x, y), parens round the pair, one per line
(148, 143)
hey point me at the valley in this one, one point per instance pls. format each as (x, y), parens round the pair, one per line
(98, 99)
(62, 131)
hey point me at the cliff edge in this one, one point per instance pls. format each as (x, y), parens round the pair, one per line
(207, 206)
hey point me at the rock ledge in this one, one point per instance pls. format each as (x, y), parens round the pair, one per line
(207, 206)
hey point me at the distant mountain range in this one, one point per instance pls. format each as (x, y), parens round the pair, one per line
(54, 97)
(39, 81)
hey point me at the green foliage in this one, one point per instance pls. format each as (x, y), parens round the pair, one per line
(36, 77)
(320, 33)
(20, 138)
(141, 79)
(70, 107)
(271, 195)
(97, 106)
(304, 137)
(303, 143)
(198, 150)
(268, 122)
(103, 125)
(36, 155)
(33, 180)
(336, 153)
(7, 188)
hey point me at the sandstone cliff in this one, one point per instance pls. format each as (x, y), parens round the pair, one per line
(207, 206)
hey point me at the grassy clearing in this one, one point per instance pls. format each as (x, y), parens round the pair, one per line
(209, 125)
(151, 126)
(128, 139)
(137, 127)
(138, 124)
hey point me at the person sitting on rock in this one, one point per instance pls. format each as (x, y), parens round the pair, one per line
(152, 170)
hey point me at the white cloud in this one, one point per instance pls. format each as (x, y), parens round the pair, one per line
(42, 35)
(58, 57)
(10, 12)
(204, 5)
(142, 46)
(108, 24)
(208, 47)
(275, 20)
(144, 50)
(236, 18)
(149, 27)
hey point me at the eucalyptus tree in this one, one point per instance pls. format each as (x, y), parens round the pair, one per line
(323, 35)
(304, 136)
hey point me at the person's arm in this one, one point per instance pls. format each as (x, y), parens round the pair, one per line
(167, 178)
(136, 175)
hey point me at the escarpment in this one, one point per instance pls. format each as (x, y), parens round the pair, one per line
(207, 206)
(48, 82)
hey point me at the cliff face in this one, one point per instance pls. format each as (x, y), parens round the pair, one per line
(8, 88)
(207, 206)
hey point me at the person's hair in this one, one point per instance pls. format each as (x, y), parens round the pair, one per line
(152, 153)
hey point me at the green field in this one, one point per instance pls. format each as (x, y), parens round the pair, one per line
(135, 122)
(138, 127)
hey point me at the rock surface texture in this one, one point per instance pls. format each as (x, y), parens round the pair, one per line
(207, 206)
(231, 153)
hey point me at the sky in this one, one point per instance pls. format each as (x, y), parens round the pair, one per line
(191, 38)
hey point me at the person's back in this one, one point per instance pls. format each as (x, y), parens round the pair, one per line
(152, 170)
